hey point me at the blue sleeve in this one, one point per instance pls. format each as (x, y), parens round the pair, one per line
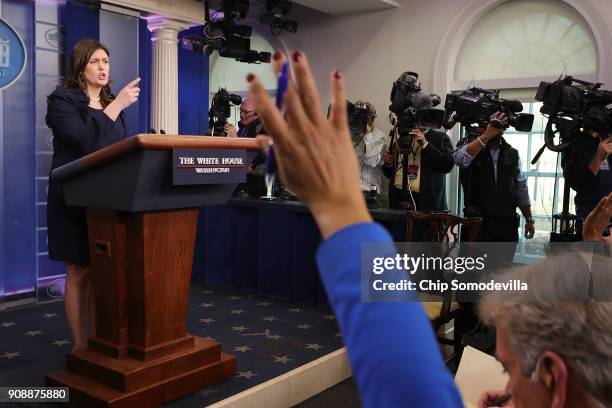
(462, 157)
(64, 118)
(393, 352)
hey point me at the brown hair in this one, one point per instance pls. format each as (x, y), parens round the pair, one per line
(79, 58)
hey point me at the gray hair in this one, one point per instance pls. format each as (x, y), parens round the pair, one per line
(559, 313)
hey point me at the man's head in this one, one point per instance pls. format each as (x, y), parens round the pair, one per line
(558, 353)
(370, 109)
(247, 112)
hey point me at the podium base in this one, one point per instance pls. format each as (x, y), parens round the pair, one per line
(97, 380)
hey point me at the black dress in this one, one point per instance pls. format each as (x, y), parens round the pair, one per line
(77, 131)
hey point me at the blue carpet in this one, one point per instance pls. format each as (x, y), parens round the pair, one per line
(268, 337)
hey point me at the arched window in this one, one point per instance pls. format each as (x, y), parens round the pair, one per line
(514, 47)
(528, 39)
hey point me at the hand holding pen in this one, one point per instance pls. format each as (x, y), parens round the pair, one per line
(314, 154)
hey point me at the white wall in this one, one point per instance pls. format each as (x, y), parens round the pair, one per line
(372, 49)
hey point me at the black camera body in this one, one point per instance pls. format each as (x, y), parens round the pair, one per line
(220, 111)
(573, 106)
(412, 108)
(475, 106)
(358, 121)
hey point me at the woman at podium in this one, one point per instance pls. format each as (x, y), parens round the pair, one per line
(84, 116)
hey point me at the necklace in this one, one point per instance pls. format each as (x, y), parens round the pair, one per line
(94, 99)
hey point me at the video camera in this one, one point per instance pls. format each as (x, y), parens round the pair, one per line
(220, 110)
(358, 121)
(475, 106)
(232, 40)
(573, 106)
(412, 108)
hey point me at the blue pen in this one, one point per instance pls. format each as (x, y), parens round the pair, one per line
(283, 81)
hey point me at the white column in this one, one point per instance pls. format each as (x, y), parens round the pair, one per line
(164, 95)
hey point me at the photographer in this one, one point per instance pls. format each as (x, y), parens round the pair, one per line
(369, 149)
(587, 170)
(427, 160)
(250, 125)
(494, 186)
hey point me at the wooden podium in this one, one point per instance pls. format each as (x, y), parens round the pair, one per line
(142, 228)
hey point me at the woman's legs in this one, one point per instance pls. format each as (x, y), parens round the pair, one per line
(77, 301)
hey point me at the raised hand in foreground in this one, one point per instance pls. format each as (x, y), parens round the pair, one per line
(314, 154)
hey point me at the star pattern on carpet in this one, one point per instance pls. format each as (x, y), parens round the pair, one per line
(282, 359)
(329, 317)
(246, 374)
(264, 347)
(337, 335)
(9, 355)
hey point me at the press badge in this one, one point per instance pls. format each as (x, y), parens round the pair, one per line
(605, 166)
(413, 171)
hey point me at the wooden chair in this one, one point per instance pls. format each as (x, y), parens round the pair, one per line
(443, 228)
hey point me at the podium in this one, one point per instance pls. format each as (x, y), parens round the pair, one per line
(142, 208)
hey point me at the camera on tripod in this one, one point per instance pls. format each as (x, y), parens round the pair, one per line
(475, 106)
(573, 106)
(412, 109)
(220, 111)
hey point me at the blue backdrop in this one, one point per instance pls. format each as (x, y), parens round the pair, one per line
(48, 30)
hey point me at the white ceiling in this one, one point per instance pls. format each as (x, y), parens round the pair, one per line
(339, 7)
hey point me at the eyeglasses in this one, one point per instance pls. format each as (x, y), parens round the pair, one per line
(246, 111)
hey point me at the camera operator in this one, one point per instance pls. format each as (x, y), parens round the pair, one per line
(250, 125)
(369, 149)
(428, 159)
(587, 170)
(494, 185)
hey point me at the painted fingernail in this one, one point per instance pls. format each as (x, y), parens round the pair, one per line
(297, 55)
(277, 55)
(337, 74)
(250, 78)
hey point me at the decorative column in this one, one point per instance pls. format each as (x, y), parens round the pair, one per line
(164, 95)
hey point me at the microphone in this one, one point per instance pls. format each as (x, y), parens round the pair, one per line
(162, 131)
(152, 131)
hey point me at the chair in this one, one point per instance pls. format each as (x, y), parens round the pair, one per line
(443, 228)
